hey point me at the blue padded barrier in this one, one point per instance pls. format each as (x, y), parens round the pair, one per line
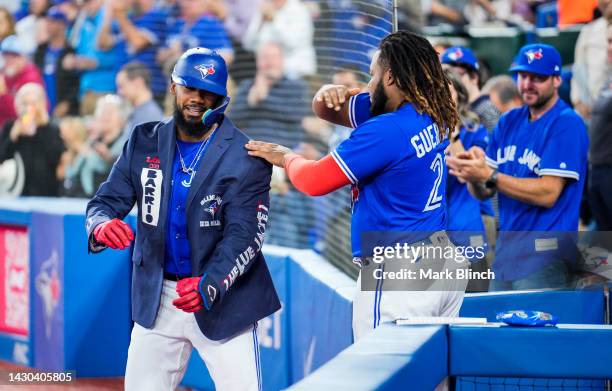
(577, 351)
(391, 358)
(85, 324)
(320, 299)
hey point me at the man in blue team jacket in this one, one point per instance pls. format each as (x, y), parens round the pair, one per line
(199, 277)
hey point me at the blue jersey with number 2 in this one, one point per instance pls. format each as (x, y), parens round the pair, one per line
(395, 162)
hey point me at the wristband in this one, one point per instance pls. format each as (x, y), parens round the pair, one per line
(491, 183)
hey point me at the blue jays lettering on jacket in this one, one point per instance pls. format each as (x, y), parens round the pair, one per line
(227, 211)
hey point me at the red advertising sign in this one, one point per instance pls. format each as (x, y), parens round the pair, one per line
(14, 280)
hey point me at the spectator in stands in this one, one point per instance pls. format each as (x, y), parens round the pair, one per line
(503, 93)
(288, 23)
(134, 85)
(109, 122)
(7, 23)
(36, 140)
(32, 30)
(589, 69)
(600, 184)
(70, 8)
(93, 163)
(410, 15)
(74, 135)
(97, 67)
(452, 11)
(271, 107)
(239, 16)
(144, 32)
(17, 71)
(62, 85)
(463, 62)
(536, 161)
(196, 26)
(490, 13)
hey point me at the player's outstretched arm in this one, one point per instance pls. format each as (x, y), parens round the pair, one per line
(311, 177)
(331, 103)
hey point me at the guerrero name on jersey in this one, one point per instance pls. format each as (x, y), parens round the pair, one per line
(380, 158)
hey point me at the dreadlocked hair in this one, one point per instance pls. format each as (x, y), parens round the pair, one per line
(417, 72)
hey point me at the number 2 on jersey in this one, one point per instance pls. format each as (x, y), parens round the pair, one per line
(435, 200)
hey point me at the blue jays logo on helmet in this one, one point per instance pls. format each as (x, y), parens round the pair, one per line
(204, 69)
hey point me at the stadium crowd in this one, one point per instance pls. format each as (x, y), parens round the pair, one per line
(77, 75)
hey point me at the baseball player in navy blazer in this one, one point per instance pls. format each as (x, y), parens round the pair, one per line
(199, 277)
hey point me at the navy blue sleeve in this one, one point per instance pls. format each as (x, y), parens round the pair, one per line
(115, 197)
(246, 214)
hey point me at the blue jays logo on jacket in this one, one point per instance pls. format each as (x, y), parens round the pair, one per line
(227, 213)
(211, 204)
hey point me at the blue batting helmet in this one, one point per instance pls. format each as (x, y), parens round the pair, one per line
(203, 69)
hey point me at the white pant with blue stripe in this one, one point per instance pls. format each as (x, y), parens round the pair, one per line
(441, 299)
(371, 308)
(158, 357)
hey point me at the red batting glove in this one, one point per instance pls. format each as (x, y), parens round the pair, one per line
(114, 233)
(190, 299)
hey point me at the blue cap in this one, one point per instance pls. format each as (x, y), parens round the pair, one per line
(538, 58)
(460, 55)
(11, 44)
(56, 14)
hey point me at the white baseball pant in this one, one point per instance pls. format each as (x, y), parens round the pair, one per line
(158, 357)
(370, 308)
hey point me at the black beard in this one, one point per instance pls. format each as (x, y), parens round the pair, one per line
(542, 101)
(379, 101)
(194, 129)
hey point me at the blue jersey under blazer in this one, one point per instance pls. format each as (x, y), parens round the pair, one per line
(226, 209)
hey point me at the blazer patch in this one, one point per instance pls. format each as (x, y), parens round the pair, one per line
(151, 180)
(211, 204)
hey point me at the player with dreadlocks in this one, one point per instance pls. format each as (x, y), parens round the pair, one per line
(394, 161)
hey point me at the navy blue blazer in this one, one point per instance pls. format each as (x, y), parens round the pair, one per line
(227, 211)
